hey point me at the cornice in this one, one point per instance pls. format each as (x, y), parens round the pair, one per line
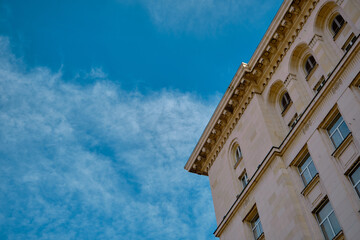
(249, 79)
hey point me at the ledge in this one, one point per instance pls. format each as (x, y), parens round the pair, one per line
(347, 140)
(237, 163)
(261, 237)
(339, 236)
(314, 181)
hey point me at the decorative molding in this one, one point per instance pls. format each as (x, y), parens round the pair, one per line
(289, 78)
(339, 2)
(247, 82)
(314, 40)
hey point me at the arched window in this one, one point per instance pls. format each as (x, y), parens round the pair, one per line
(310, 63)
(285, 101)
(337, 23)
(238, 154)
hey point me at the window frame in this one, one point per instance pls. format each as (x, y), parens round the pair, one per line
(285, 96)
(327, 219)
(337, 129)
(238, 154)
(244, 179)
(339, 24)
(311, 63)
(255, 223)
(354, 185)
(300, 165)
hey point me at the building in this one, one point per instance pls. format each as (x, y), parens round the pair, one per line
(282, 148)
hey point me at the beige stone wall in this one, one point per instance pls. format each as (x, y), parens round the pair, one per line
(285, 207)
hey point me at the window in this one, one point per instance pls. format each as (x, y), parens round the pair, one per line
(293, 121)
(238, 154)
(310, 63)
(244, 179)
(338, 130)
(328, 222)
(337, 23)
(349, 43)
(355, 179)
(307, 169)
(319, 85)
(256, 227)
(285, 101)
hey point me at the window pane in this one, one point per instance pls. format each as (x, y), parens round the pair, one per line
(337, 23)
(357, 188)
(304, 164)
(253, 222)
(312, 169)
(260, 227)
(306, 177)
(336, 139)
(256, 234)
(344, 129)
(334, 223)
(335, 124)
(326, 229)
(238, 154)
(355, 176)
(244, 180)
(285, 100)
(307, 67)
(324, 212)
(335, 27)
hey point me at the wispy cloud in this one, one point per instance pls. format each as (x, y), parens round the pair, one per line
(97, 162)
(205, 16)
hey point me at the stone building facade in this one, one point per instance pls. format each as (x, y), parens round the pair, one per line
(282, 149)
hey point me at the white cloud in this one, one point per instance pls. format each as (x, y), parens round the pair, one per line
(97, 162)
(205, 16)
(97, 73)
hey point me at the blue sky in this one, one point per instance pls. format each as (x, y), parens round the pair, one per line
(101, 104)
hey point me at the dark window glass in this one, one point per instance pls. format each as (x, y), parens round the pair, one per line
(337, 23)
(310, 64)
(285, 101)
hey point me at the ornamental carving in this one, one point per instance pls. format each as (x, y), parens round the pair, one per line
(314, 40)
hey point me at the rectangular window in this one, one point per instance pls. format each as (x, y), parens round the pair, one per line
(338, 130)
(349, 43)
(327, 221)
(355, 179)
(307, 169)
(256, 227)
(319, 85)
(244, 179)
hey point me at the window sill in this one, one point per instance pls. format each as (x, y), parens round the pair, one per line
(339, 236)
(261, 237)
(310, 185)
(237, 163)
(342, 146)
